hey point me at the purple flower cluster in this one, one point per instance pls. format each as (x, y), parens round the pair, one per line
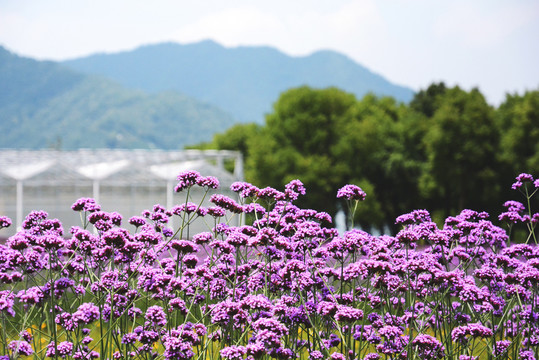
(460, 333)
(522, 179)
(21, 348)
(351, 192)
(4, 222)
(285, 286)
(191, 178)
(86, 204)
(428, 347)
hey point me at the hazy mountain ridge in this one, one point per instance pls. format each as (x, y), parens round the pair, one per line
(244, 81)
(45, 104)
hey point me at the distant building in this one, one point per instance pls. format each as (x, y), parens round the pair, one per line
(125, 181)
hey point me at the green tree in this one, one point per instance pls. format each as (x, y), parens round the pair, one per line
(518, 120)
(428, 101)
(442, 152)
(239, 137)
(461, 146)
(381, 144)
(298, 142)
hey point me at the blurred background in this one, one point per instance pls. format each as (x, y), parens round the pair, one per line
(422, 104)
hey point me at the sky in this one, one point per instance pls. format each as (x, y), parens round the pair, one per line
(489, 44)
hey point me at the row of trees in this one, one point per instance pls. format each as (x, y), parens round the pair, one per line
(445, 151)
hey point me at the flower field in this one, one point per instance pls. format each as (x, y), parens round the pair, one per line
(286, 286)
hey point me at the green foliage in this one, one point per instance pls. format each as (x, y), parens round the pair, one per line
(518, 120)
(380, 145)
(461, 145)
(446, 151)
(238, 137)
(299, 141)
(427, 101)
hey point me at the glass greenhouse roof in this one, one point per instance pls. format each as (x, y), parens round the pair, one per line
(118, 166)
(126, 180)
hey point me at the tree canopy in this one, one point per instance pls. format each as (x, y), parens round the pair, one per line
(447, 150)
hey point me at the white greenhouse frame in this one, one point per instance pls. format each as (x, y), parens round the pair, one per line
(126, 181)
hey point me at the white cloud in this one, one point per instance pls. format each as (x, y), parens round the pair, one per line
(480, 25)
(231, 27)
(296, 33)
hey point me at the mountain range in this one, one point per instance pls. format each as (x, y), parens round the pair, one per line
(160, 96)
(244, 81)
(47, 105)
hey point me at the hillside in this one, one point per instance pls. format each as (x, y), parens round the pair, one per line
(244, 81)
(45, 104)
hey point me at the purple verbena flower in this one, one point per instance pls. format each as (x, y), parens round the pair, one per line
(372, 356)
(86, 313)
(137, 221)
(256, 302)
(244, 189)
(51, 241)
(416, 216)
(236, 238)
(19, 241)
(129, 338)
(520, 180)
(526, 355)
(25, 335)
(65, 348)
(148, 337)
(428, 347)
(156, 316)
(252, 208)
(233, 352)
(185, 208)
(21, 347)
(183, 246)
(167, 232)
(216, 211)
(348, 314)
(270, 324)
(202, 238)
(390, 332)
(33, 295)
(116, 237)
(4, 222)
(293, 189)
(116, 218)
(148, 235)
(351, 192)
(187, 179)
(337, 356)
(178, 305)
(316, 355)
(101, 220)
(501, 347)
(270, 193)
(226, 203)
(190, 260)
(475, 330)
(516, 206)
(209, 182)
(85, 204)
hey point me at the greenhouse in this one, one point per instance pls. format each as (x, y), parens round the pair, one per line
(125, 181)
